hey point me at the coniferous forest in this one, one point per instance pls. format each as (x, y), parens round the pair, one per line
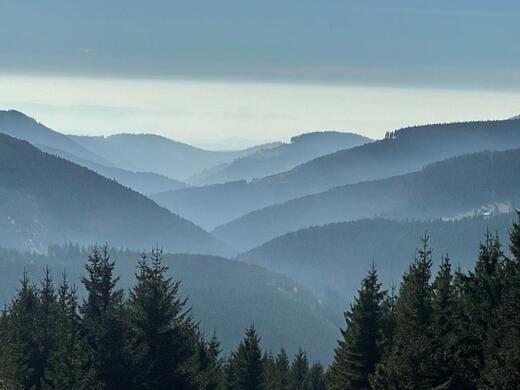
(447, 329)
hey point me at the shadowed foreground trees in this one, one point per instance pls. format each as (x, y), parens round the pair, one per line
(451, 330)
(457, 331)
(48, 340)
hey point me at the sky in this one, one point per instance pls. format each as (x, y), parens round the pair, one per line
(234, 71)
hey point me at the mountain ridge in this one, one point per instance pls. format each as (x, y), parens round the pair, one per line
(441, 189)
(301, 148)
(400, 152)
(46, 199)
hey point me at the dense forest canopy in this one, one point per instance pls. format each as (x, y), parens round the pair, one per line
(448, 330)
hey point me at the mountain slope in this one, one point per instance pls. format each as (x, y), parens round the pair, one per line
(153, 153)
(266, 162)
(19, 125)
(226, 296)
(46, 199)
(143, 182)
(332, 257)
(404, 151)
(448, 188)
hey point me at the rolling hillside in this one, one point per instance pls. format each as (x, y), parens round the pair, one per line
(404, 151)
(45, 199)
(143, 182)
(330, 258)
(153, 153)
(226, 296)
(267, 162)
(450, 188)
(18, 125)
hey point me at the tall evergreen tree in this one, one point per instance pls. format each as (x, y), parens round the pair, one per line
(317, 377)
(502, 365)
(299, 378)
(22, 352)
(481, 298)
(247, 363)
(46, 328)
(209, 364)
(162, 333)
(444, 328)
(281, 371)
(105, 361)
(410, 364)
(67, 356)
(362, 342)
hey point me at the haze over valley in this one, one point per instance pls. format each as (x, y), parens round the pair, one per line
(269, 195)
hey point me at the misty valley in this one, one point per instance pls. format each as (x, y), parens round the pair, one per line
(331, 261)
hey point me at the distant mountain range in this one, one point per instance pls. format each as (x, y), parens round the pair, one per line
(267, 162)
(45, 199)
(153, 153)
(330, 258)
(18, 125)
(226, 296)
(456, 186)
(401, 152)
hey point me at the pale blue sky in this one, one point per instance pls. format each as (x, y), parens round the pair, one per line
(447, 46)
(443, 42)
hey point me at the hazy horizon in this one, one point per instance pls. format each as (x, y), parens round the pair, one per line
(233, 114)
(236, 74)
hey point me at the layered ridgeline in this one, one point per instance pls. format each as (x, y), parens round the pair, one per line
(265, 162)
(46, 199)
(329, 259)
(17, 124)
(220, 292)
(459, 186)
(404, 151)
(153, 153)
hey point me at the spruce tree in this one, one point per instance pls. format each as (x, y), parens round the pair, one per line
(410, 364)
(209, 368)
(281, 371)
(317, 377)
(362, 342)
(247, 363)
(299, 378)
(162, 333)
(105, 360)
(67, 357)
(482, 291)
(22, 352)
(46, 330)
(268, 364)
(444, 328)
(502, 365)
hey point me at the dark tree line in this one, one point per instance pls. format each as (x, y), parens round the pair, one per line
(149, 340)
(460, 330)
(451, 330)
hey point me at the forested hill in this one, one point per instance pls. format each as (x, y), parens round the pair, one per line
(404, 151)
(450, 188)
(332, 257)
(226, 296)
(154, 153)
(265, 162)
(45, 199)
(19, 125)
